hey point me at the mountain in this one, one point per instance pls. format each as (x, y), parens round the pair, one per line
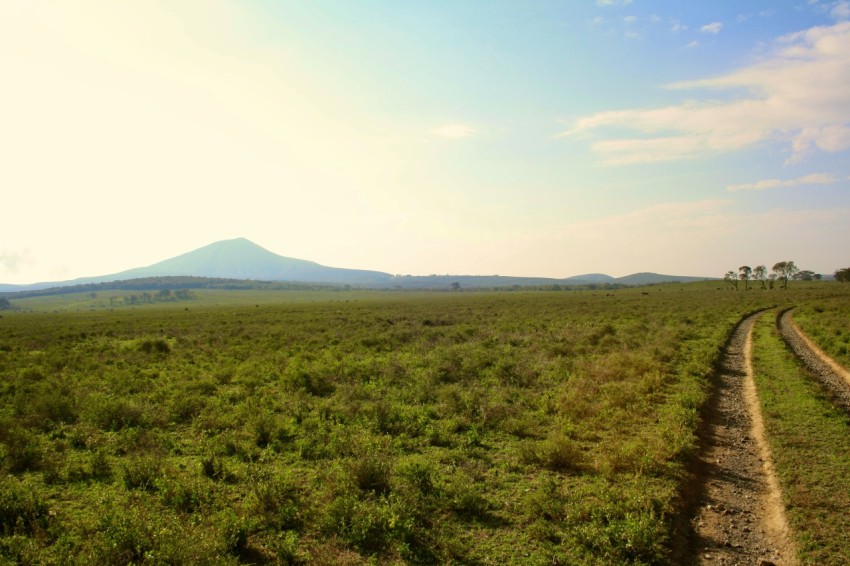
(232, 259)
(242, 259)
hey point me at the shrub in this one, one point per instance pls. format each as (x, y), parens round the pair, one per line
(99, 465)
(465, 496)
(560, 453)
(23, 451)
(141, 473)
(278, 501)
(371, 472)
(155, 346)
(22, 509)
(234, 531)
(112, 414)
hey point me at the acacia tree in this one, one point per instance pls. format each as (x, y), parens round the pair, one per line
(744, 273)
(760, 273)
(784, 270)
(731, 278)
(843, 274)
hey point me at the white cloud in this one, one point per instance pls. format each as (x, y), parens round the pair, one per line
(628, 20)
(678, 27)
(692, 44)
(712, 28)
(812, 179)
(798, 94)
(454, 131)
(606, 3)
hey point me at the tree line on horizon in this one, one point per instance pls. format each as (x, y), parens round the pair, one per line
(782, 271)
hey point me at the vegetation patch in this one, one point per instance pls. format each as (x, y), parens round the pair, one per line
(810, 442)
(359, 427)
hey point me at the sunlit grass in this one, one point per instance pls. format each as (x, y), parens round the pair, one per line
(810, 441)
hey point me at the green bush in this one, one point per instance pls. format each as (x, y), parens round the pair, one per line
(23, 511)
(141, 472)
(22, 450)
(278, 501)
(114, 413)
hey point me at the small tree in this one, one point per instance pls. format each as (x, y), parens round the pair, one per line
(731, 278)
(744, 273)
(805, 275)
(5, 304)
(785, 270)
(842, 275)
(760, 273)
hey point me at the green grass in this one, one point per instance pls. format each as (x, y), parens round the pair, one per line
(810, 441)
(825, 321)
(357, 426)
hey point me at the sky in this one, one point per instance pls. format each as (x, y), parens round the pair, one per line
(526, 138)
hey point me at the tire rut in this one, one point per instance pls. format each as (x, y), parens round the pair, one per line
(739, 518)
(835, 378)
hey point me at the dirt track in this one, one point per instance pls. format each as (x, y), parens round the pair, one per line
(740, 518)
(833, 376)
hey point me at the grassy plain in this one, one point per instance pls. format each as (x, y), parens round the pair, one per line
(810, 441)
(356, 427)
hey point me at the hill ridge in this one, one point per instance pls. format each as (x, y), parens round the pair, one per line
(240, 258)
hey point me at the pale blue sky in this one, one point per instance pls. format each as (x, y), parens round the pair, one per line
(518, 138)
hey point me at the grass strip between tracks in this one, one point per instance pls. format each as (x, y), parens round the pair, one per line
(810, 441)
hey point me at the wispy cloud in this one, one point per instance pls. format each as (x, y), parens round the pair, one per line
(796, 95)
(764, 184)
(454, 131)
(606, 3)
(12, 260)
(840, 10)
(712, 28)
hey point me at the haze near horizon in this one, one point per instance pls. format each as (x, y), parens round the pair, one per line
(526, 139)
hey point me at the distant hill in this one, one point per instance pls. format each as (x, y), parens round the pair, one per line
(592, 278)
(653, 278)
(241, 259)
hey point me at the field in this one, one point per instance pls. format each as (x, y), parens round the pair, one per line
(360, 427)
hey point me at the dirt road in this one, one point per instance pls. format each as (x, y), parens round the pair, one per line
(740, 518)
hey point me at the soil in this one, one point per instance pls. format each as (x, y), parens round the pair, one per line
(835, 378)
(739, 518)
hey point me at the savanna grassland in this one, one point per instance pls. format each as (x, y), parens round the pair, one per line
(546, 427)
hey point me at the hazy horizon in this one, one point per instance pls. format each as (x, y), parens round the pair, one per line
(519, 139)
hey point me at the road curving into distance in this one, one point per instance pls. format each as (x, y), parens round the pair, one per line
(825, 369)
(740, 518)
